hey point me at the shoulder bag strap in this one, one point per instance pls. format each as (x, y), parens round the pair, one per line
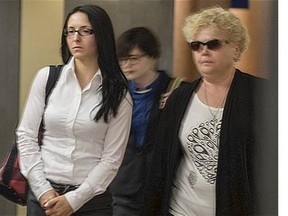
(54, 73)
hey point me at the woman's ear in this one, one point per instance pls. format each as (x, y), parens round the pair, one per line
(237, 53)
(154, 62)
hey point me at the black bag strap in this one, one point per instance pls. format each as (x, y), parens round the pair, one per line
(54, 73)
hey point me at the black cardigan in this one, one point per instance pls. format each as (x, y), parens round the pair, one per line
(243, 131)
(131, 174)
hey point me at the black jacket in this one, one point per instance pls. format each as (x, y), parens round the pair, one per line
(133, 170)
(241, 164)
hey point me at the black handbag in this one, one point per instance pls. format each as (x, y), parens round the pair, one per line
(13, 185)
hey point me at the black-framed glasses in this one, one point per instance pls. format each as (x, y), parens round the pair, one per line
(134, 59)
(211, 45)
(85, 31)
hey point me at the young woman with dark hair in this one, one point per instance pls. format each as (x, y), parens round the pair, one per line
(87, 122)
(106, 58)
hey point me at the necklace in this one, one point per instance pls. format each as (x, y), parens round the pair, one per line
(221, 105)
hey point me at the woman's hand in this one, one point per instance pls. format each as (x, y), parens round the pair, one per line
(163, 99)
(47, 196)
(58, 206)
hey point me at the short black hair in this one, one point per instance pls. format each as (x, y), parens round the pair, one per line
(138, 37)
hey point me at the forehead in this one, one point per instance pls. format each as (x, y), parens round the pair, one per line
(135, 51)
(208, 33)
(78, 19)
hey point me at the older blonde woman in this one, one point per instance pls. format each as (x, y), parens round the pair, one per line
(203, 155)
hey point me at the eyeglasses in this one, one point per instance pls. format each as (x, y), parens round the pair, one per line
(211, 45)
(132, 59)
(82, 31)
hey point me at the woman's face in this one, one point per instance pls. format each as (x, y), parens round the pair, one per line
(138, 66)
(81, 46)
(214, 61)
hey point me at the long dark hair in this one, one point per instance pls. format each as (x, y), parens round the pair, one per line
(114, 86)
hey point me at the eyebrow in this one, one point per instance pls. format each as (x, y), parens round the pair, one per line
(80, 27)
(132, 55)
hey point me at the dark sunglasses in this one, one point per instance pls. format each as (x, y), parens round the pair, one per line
(211, 45)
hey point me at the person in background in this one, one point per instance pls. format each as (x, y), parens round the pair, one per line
(138, 51)
(87, 122)
(211, 130)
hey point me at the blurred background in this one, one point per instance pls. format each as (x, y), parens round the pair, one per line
(30, 39)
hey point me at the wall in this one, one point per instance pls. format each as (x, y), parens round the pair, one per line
(41, 26)
(261, 58)
(9, 80)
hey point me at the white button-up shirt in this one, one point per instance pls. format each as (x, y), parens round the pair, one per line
(76, 150)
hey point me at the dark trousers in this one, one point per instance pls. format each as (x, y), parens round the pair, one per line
(33, 206)
(99, 205)
(125, 206)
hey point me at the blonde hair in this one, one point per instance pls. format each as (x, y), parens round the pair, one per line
(218, 18)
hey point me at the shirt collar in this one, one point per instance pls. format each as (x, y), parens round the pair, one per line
(96, 81)
(69, 72)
